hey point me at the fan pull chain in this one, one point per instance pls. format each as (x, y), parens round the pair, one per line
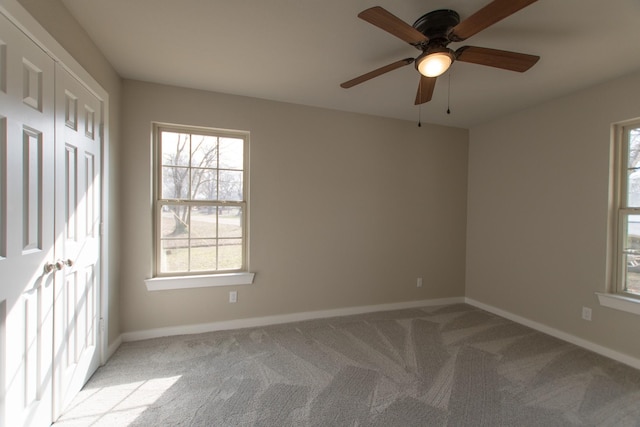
(449, 94)
(420, 105)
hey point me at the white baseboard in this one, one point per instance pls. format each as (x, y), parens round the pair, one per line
(281, 318)
(113, 347)
(596, 348)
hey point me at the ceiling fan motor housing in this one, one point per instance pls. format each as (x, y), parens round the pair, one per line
(437, 24)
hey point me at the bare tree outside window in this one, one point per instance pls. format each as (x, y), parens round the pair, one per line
(633, 168)
(202, 202)
(631, 248)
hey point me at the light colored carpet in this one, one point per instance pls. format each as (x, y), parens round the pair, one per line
(436, 366)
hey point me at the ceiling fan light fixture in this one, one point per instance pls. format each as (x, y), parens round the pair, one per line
(434, 63)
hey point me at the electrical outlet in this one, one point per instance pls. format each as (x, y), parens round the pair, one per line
(419, 282)
(586, 313)
(233, 296)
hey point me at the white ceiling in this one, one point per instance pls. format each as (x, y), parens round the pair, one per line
(299, 51)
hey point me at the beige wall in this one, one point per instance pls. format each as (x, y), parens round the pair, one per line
(348, 210)
(537, 213)
(52, 15)
(345, 209)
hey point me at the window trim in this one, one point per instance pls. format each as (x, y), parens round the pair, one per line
(622, 210)
(615, 297)
(179, 280)
(619, 302)
(199, 281)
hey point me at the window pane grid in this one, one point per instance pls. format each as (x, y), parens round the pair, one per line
(629, 212)
(201, 203)
(201, 237)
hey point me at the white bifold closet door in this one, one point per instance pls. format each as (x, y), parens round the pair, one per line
(77, 245)
(50, 144)
(27, 156)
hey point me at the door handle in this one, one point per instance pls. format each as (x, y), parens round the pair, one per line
(57, 266)
(49, 267)
(61, 263)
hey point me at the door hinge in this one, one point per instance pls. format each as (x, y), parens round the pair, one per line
(102, 131)
(101, 229)
(102, 325)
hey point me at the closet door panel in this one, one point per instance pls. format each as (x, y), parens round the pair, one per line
(78, 195)
(27, 150)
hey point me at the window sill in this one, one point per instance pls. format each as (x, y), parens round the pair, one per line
(204, 281)
(619, 302)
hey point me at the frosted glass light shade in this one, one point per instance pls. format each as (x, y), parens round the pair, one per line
(434, 64)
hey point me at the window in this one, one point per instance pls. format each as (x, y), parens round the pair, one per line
(201, 201)
(627, 259)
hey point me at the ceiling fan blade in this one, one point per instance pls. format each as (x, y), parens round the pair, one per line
(384, 19)
(425, 89)
(377, 72)
(496, 58)
(487, 16)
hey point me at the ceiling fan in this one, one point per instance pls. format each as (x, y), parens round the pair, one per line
(433, 32)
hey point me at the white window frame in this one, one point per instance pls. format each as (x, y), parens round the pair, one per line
(617, 297)
(196, 279)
